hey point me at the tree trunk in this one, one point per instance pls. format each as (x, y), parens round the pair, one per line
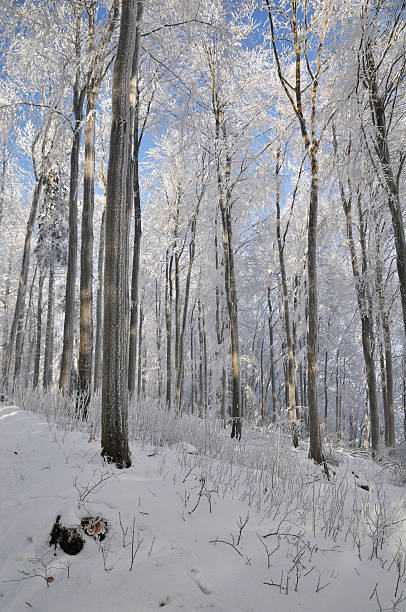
(391, 184)
(315, 452)
(86, 256)
(94, 79)
(168, 322)
(49, 334)
(39, 330)
(205, 377)
(404, 395)
(201, 367)
(70, 291)
(5, 321)
(98, 350)
(135, 140)
(325, 390)
(25, 331)
(363, 303)
(22, 331)
(366, 332)
(383, 384)
(177, 317)
(31, 348)
(231, 295)
(135, 281)
(22, 283)
(224, 194)
(179, 379)
(271, 357)
(140, 343)
(388, 372)
(389, 381)
(290, 378)
(114, 439)
(338, 397)
(158, 339)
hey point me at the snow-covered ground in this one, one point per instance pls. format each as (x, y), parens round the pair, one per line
(258, 529)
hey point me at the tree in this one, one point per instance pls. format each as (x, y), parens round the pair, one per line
(114, 439)
(307, 25)
(382, 66)
(51, 251)
(98, 62)
(78, 94)
(362, 289)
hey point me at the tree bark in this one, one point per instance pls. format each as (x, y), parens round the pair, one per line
(168, 323)
(114, 439)
(312, 342)
(39, 330)
(49, 334)
(387, 375)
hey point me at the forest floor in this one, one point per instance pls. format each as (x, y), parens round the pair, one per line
(186, 533)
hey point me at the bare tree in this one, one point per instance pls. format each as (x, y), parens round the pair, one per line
(114, 440)
(79, 91)
(98, 62)
(299, 25)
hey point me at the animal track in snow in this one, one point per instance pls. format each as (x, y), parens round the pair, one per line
(201, 583)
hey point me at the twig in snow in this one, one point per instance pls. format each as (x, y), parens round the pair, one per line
(152, 544)
(375, 591)
(320, 588)
(134, 549)
(216, 541)
(123, 531)
(241, 525)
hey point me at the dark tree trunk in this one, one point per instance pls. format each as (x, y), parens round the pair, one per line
(168, 323)
(315, 452)
(39, 330)
(49, 334)
(114, 439)
(387, 373)
(272, 357)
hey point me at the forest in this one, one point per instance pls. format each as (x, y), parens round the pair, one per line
(263, 240)
(203, 275)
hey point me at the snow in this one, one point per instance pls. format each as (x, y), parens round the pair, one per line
(188, 539)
